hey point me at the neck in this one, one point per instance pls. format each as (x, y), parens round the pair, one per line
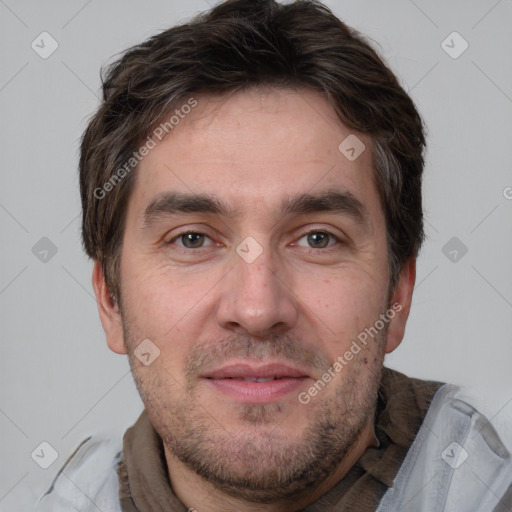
(200, 495)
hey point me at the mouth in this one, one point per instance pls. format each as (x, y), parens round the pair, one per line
(256, 384)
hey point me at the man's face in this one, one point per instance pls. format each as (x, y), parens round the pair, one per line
(251, 303)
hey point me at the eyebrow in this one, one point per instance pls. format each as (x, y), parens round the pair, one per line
(177, 202)
(330, 201)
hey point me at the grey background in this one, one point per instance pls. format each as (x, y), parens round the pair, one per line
(58, 380)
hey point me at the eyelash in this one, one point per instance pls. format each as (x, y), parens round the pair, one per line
(188, 249)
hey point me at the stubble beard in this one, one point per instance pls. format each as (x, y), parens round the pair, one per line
(264, 462)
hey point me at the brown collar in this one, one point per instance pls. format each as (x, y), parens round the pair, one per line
(402, 404)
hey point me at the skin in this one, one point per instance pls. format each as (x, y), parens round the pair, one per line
(298, 301)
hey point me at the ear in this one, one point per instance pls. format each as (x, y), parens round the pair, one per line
(401, 304)
(108, 310)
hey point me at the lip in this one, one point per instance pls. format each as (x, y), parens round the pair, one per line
(240, 371)
(228, 380)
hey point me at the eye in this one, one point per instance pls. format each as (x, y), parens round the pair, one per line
(190, 240)
(318, 239)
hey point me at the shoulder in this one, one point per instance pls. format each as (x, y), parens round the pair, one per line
(88, 480)
(457, 461)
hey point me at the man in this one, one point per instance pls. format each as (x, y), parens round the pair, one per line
(251, 191)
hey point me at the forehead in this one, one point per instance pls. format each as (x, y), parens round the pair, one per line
(253, 148)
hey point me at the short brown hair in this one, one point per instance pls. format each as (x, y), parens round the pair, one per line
(242, 43)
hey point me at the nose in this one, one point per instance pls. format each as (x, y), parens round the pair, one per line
(256, 299)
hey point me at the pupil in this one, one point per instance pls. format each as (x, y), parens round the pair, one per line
(318, 239)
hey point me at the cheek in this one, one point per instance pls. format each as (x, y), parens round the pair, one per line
(150, 307)
(342, 307)
(166, 306)
(154, 296)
